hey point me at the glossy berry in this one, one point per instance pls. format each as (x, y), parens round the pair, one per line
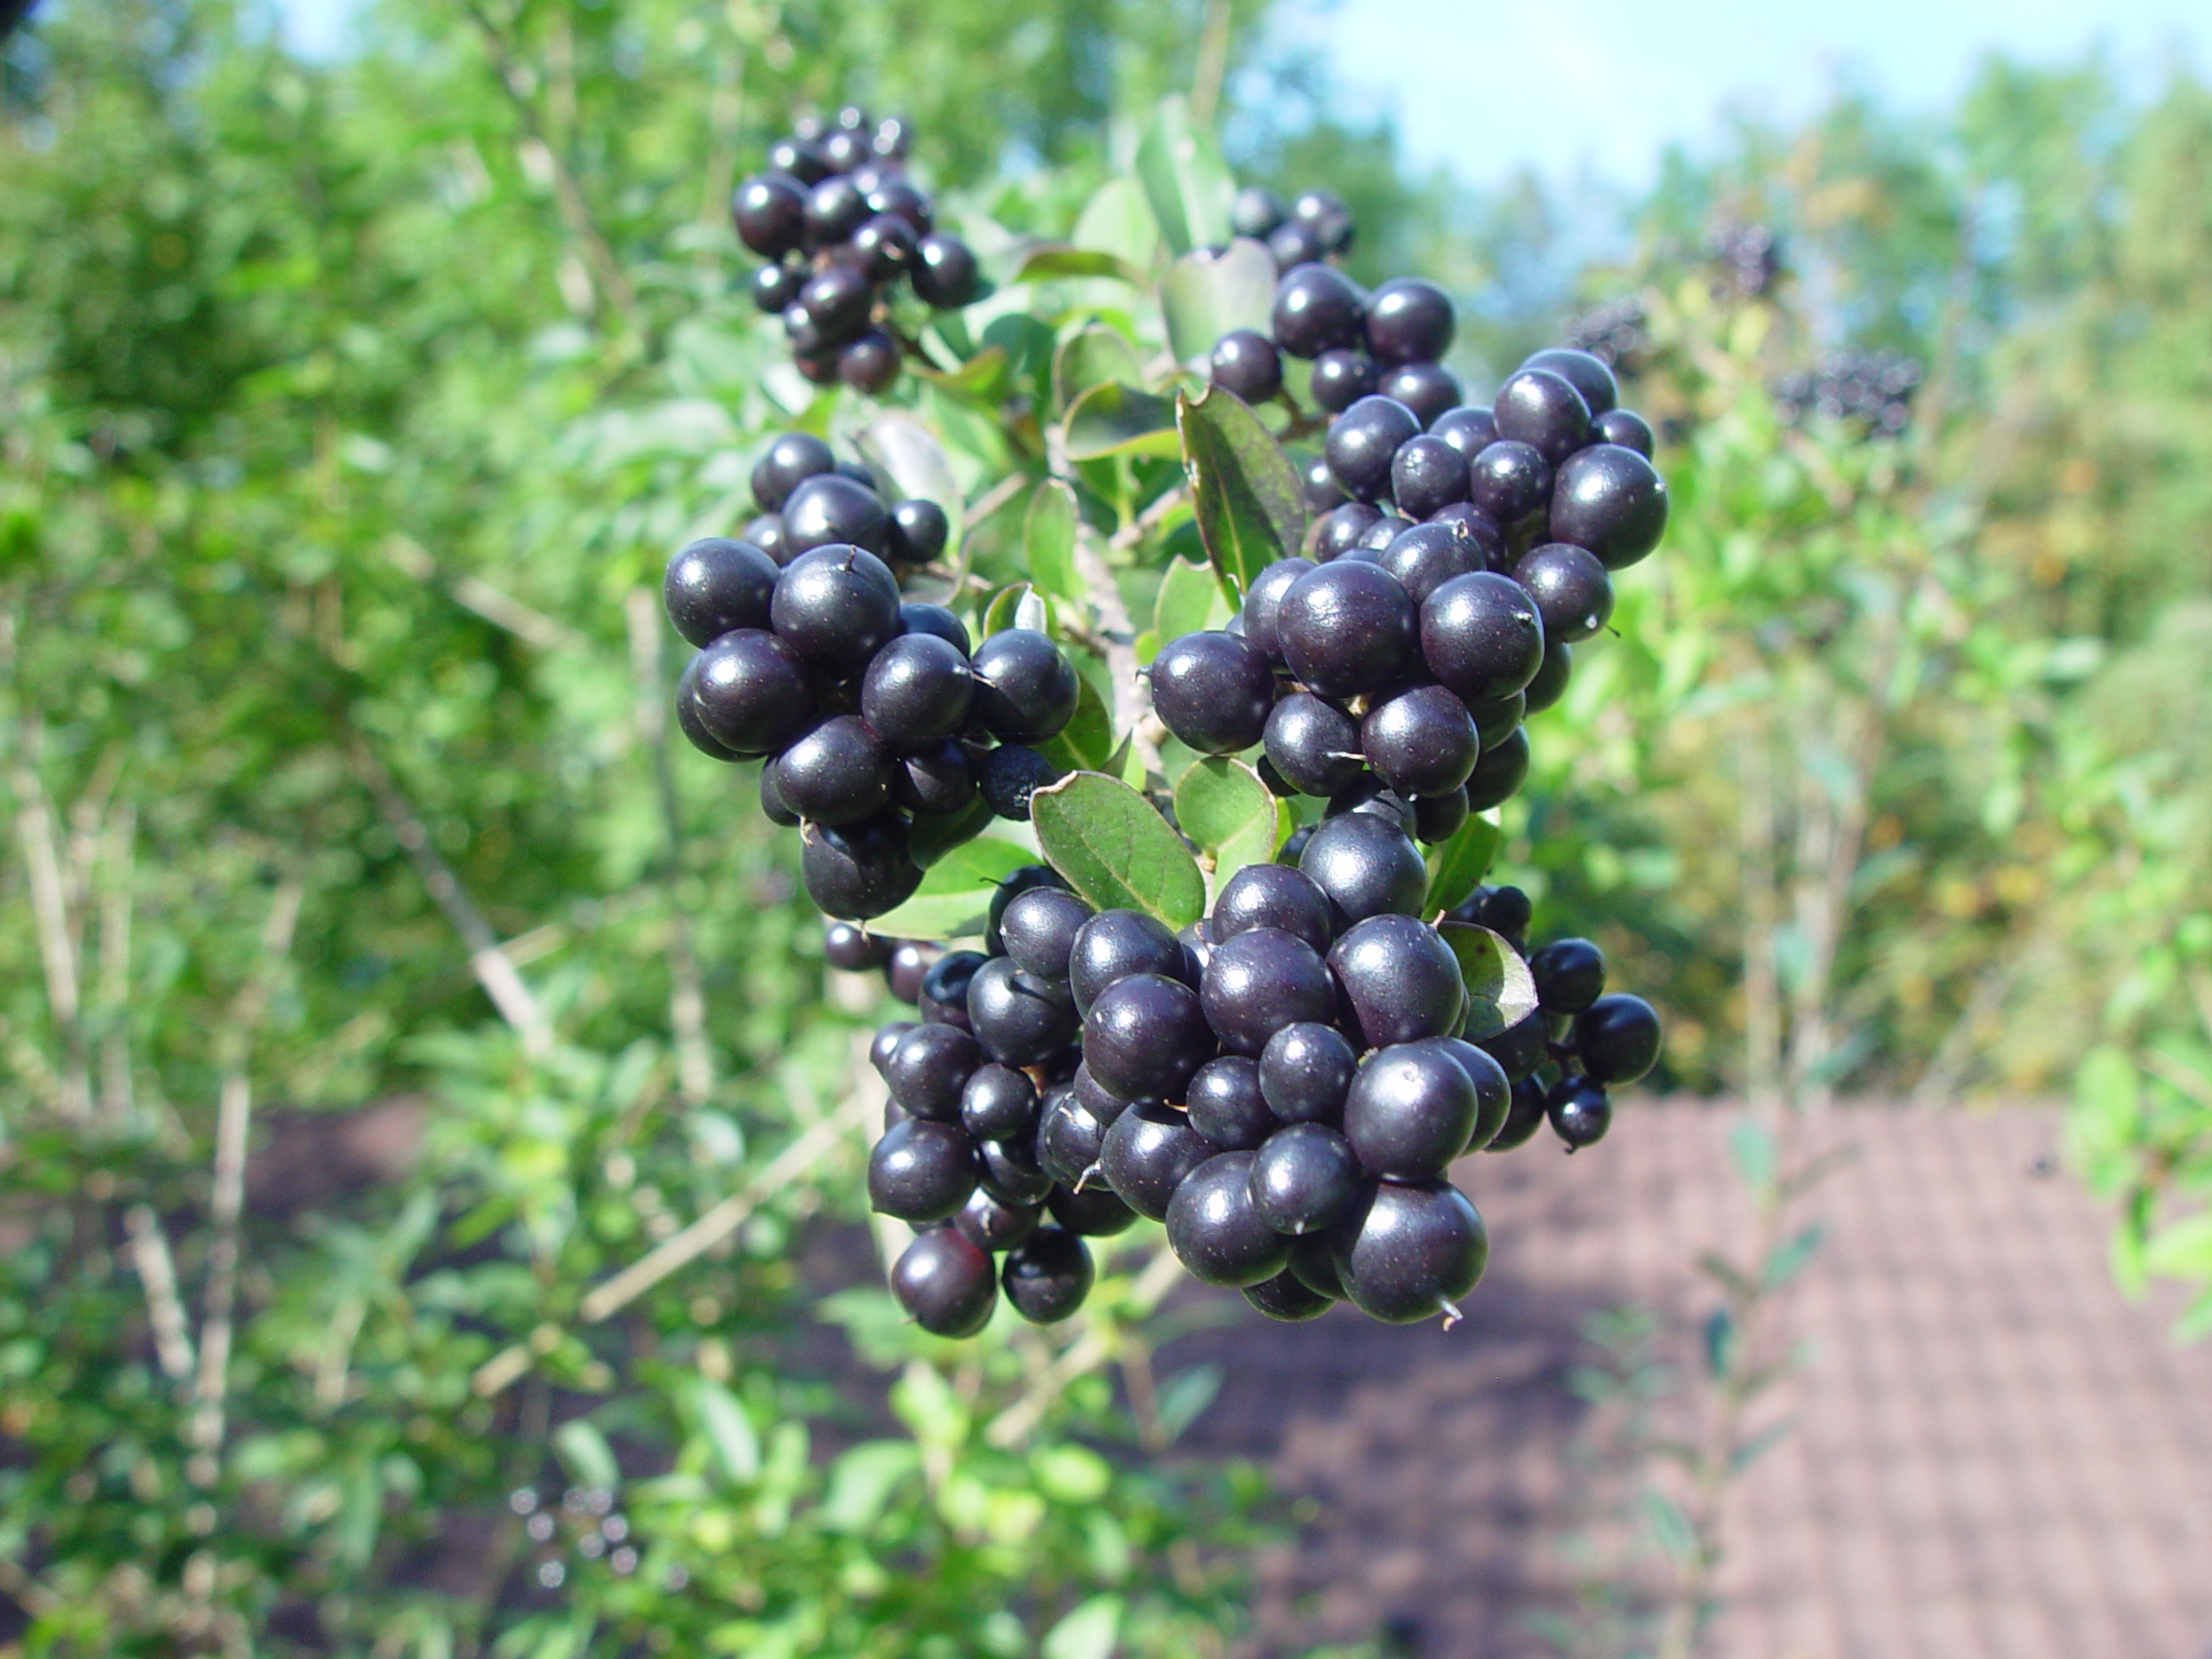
(1498, 777)
(1010, 774)
(835, 209)
(1409, 321)
(1617, 1038)
(927, 1072)
(1313, 744)
(1114, 945)
(1087, 1092)
(1509, 480)
(749, 690)
(1427, 476)
(1313, 1264)
(1587, 374)
(1367, 867)
(990, 1225)
(1627, 429)
(769, 212)
(789, 460)
(716, 586)
(1263, 601)
(869, 364)
(1580, 1111)
(1425, 556)
(1409, 1111)
(1009, 887)
(917, 689)
(1247, 363)
(1523, 1118)
(1428, 389)
(1039, 930)
(1272, 895)
(1341, 377)
(899, 197)
(921, 1171)
(1318, 485)
(1363, 441)
(946, 1283)
(1388, 525)
(838, 773)
(832, 511)
(1288, 1298)
(1026, 690)
(1482, 636)
(1317, 307)
(1010, 1172)
(800, 157)
(1224, 1104)
(1552, 677)
(1047, 1277)
(1438, 818)
(1147, 1152)
(1543, 410)
(1369, 794)
(1260, 980)
(1493, 1093)
(916, 536)
(1410, 1251)
(853, 950)
(1571, 588)
(1400, 980)
(1611, 500)
(766, 533)
(911, 959)
(858, 870)
(1095, 1213)
(884, 246)
(1324, 211)
(1293, 245)
(1338, 531)
(1421, 741)
(935, 780)
(1303, 1178)
(1019, 1019)
(1213, 691)
(1519, 1048)
(1570, 975)
(944, 273)
(998, 1103)
(1215, 1230)
(1347, 628)
(775, 288)
(1305, 1072)
(1470, 429)
(1070, 1138)
(1144, 1036)
(1254, 211)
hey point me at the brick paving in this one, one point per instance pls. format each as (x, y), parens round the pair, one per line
(1992, 1455)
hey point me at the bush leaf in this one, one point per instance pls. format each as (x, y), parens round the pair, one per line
(1053, 259)
(1189, 602)
(1501, 993)
(1455, 867)
(954, 894)
(1207, 293)
(1048, 539)
(1250, 509)
(1086, 742)
(1234, 818)
(1115, 419)
(1116, 849)
(1184, 179)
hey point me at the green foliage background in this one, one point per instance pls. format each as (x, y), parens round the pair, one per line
(346, 411)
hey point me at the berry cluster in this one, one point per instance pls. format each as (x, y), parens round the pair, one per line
(887, 739)
(1458, 557)
(1562, 1058)
(1284, 1084)
(1360, 344)
(1314, 228)
(841, 223)
(1746, 258)
(1616, 332)
(1873, 388)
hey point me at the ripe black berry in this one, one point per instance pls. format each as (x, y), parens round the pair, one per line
(935, 781)
(1347, 628)
(1367, 867)
(750, 692)
(1409, 321)
(1305, 1071)
(1263, 601)
(1247, 363)
(1470, 429)
(1627, 429)
(946, 1283)
(1401, 980)
(1114, 945)
(694, 725)
(1254, 211)
(921, 1171)
(1272, 895)
(917, 536)
(838, 773)
(1318, 485)
(1338, 531)
(944, 274)
(944, 1000)
(1324, 211)
(1409, 1111)
(1213, 691)
(1617, 1038)
(1011, 1173)
(870, 363)
(884, 245)
(1047, 1278)
(1579, 1111)
(1019, 1019)
(1588, 375)
(775, 288)
(899, 197)
(1025, 689)
(1570, 975)
(1303, 1178)
(858, 870)
(1288, 1298)
(1410, 1250)
(1039, 928)
(990, 1225)
(1498, 777)
(1611, 500)
(1363, 441)
(1570, 587)
(998, 1103)
(1224, 1104)
(1426, 556)
(769, 211)
(1144, 1036)
(1493, 1093)
(1427, 476)
(1509, 480)
(1096, 1211)
(1543, 410)
(1293, 245)
(1317, 307)
(1502, 909)
(853, 950)
(1519, 1048)
(1214, 1229)
(1147, 1152)
(1010, 774)
(1421, 741)
(789, 460)
(1482, 636)
(766, 533)
(715, 586)
(832, 510)
(911, 959)
(1341, 377)
(1070, 1138)
(917, 689)
(927, 1072)
(1523, 1118)
(1260, 980)
(1428, 389)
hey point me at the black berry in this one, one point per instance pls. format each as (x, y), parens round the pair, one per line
(1213, 691)
(946, 1283)
(1617, 1038)
(1409, 1250)
(921, 1171)
(1047, 1278)
(1214, 1229)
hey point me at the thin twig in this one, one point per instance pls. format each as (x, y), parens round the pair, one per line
(494, 969)
(149, 1253)
(116, 1097)
(501, 610)
(687, 993)
(37, 830)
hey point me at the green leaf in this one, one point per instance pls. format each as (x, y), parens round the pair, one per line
(1089, 1632)
(1222, 805)
(1753, 1148)
(2183, 1250)
(585, 1453)
(1053, 259)
(1119, 221)
(1206, 294)
(861, 1482)
(1749, 1452)
(931, 837)
(1048, 537)
(1001, 609)
(1790, 1258)
(910, 453)
(726, 1428)
(955, 893)
(1455, 867)
(1190, 600)
(1092, 356)
(1184, 179)
(982, 378)
(1086, 742)
(1671, 1527)
(1720, 1342)
(1500, 992)
(1116, 850)
(1251, 509)
(1115, 419)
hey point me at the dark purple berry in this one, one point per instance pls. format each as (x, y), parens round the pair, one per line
(1263, 602)
(1421, 741)
(1543, 410)
(1571, 588)
(1498, 777)
(1341, 379)
(1144, 1036)
(1509, 480)
(1409, 321)
(1580, 1111)
(1611, 500)
(917, 689)
(946, 275)
(1025, 689)
(1347, 628)
(1363, 441)
(1427, 476)
(769, 211)
(1523, 1118)
(749, 690)
(1039, 928)
(990, 1225)
(1410, 1251)
(1215, 1230)
(1428, 389)
(1588, 375)
(1409, 1111)
(853, 950)
(921, 1171)
(1470, 429)
(1551, 676)
(1400, 980)
(1224, 1104)
(1570, 975)
(916, 536)
(1047, 1278)
(716, 586)
(1260, 980)
(935, 781)
(1272, 895)
(1114, 945)
(1627, 429)
(1010, 775)
(858, 870)
(1254, 211)
(1288, 1298)
(1246, 362)
(1147, 1152)
(946, 1283)
(1367, 866)
(1213, 691)
(1305, 1072)
(1096, 1211)
(1303, 1178)
(1482, 636)
(1617, 1038)
(1317, 307)
(834, 511)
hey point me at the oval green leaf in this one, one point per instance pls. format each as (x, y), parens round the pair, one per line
(1206, 294)
(1115, 419)
(1455, 867)
(1091, 356)
(1184, 179)
(1116, 850)
(1118, 220)
(1053, 259)
(1048, 537)
(1250, 509)
(955, 897)
(1236, 820)
(1501, 993)
(1086, 742)
(1190, 599)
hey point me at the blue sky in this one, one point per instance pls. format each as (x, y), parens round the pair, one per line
(1487, 86)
